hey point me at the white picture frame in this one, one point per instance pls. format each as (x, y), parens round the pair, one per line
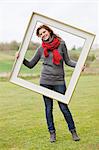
(88, 37)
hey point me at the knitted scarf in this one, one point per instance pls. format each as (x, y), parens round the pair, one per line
(52, 46)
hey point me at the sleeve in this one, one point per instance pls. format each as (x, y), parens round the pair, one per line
(66, 57)
(30, 64)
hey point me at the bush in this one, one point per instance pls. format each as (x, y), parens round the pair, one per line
(15, 46)
(9, 46)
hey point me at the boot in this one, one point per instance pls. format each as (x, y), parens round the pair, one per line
(75, 137)
(52, 136)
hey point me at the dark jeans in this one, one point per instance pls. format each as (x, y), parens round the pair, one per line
(63, 107)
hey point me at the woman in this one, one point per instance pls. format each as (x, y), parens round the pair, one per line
(54, 51)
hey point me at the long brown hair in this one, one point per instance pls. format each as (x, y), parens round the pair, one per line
(48, 29)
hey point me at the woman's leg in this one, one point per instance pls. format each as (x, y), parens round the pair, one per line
(49, 113)
(64, 107)
(49, 117)
(66, 112)
(49, 110)
(67, 115)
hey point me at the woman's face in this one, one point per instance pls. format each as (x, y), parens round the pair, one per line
(44, 34)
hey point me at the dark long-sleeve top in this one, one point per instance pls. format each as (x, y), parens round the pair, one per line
(51, 74)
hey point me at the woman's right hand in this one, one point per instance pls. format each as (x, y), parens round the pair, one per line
(17, 55)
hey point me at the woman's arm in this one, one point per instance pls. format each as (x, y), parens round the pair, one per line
(66, 57)
(30, 64)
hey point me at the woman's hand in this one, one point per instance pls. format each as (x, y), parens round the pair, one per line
(17, 55)
(84, 67)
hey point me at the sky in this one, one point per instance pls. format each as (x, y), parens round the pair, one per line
(15, 15)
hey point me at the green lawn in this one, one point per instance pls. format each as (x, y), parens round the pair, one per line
(23, 124)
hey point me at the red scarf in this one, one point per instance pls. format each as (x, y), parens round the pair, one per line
(52, 47)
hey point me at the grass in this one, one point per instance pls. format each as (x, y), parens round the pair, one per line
(23, 124)
(22, 116)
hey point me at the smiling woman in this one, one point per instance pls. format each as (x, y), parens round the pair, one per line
(53, 49)
(52, 77)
